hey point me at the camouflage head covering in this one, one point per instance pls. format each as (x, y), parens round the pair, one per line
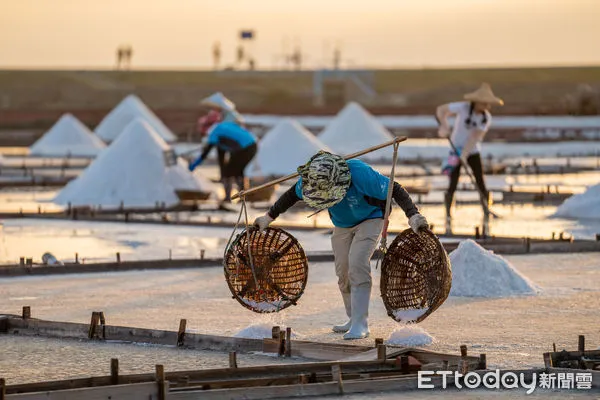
(325, 180)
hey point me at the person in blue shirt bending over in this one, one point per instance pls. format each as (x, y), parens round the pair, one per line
(355, 196)
(233, 140)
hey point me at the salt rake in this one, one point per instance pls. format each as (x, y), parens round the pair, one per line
(484, 204)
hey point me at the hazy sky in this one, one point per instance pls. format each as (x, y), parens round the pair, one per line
(384, 33)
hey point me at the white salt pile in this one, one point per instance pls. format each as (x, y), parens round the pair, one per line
(354, 129)
(477, 272)
(124, 113)
(581, 206)
(259, 331)
(138, 170)
(410, 336)
(284, 148)
(409, 314)
(67, 137)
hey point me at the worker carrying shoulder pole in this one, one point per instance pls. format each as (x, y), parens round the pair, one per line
(232, 140)
(355, 196)
(472, 122)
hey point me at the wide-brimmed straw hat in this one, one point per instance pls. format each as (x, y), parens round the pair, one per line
(484, 95)
(218, 100)
(325, 180)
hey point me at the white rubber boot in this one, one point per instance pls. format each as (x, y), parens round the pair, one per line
(360, 297)
(347, 304)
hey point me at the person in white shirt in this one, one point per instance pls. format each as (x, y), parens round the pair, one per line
(472, 121)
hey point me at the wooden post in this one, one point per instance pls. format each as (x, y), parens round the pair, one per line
(554, 347)
(29, 262)
(2, 389)
(581, 344)
(527, 245)
(202, 254)
(181, 332)
(477, 235)
(445, 365)
(288, 342)
(93, 324)
(381, 352)
(303, 379)
(26, 312)
(114, 371)
(22, 261)
(463, 351)
(209, 220)
(404, 364)
(232, 359)
(160, 381)
(281, 351)
(336, 375)
(482, 362)
(39, 209)
(170, 254)
(76, 258)
(378, 341)
(118, 258)
(553, 235)
(102, 324)
(275, 332)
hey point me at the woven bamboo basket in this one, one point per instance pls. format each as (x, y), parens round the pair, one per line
(280, 269)
(416, 276)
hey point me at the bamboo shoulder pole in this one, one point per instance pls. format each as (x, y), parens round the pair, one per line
(295, 175)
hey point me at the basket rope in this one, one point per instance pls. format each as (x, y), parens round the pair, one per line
(243, 210)
(388, 205)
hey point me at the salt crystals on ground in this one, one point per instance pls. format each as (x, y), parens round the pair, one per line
(585, 205)
(477, 272)
(138, 170)
(260, 330)
(68, 137)
(410, 336)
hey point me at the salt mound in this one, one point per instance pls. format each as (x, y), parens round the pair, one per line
(477, 272)
(581, 206)
(410, 336)
(67, 137)
(138, 169)
(354, 129)
(126, 111)
(259, 331)
(284, 148)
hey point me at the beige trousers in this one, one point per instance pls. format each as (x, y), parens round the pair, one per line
(352, 251)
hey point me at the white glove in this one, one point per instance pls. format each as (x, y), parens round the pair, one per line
(263, 222)
(443, 131)
(418, 222)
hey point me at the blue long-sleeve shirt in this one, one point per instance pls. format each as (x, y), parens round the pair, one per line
(365, 198)
(227, 137)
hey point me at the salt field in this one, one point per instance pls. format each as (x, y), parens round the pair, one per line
(513, 331)
(511, 308)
